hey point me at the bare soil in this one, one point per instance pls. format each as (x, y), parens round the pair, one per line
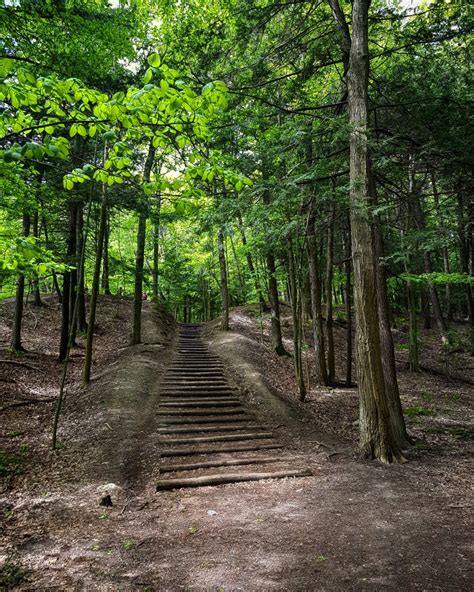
(353, 525)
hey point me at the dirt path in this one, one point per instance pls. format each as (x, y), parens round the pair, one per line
(350, 526)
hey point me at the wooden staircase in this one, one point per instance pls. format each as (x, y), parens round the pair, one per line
(202, 420)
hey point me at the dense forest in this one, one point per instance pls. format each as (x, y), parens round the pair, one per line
(209, 155)
(308, 161)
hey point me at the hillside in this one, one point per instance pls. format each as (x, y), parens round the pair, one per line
(249, 535)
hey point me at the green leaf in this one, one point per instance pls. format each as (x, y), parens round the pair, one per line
(154, 60)
(92, 130)
(148, 76)
(6, 66)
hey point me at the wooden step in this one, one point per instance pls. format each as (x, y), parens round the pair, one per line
(212, 403)
(227, 411)
(243, 448)
(233, 462)
(194, 382)
(220, 438)
(228, 478)
(209, 429)
(191, 399)
(203, 420)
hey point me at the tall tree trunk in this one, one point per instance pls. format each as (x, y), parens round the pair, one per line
(251, 266)
(386, 343)
(376, 438)
(19, 296)
(156, 255)
(277, 341)
(36, 288)
(318, 332)
(464, 227)
(276, 336)
(413, 355)
(347, 302)
(81, 304)
(86, 375)
(140, 255)
(329, 297)
(445, 251)
(224, 284)
(238, 269)
(55, 277)
(105, 270)
(68, 280)
(297, 314)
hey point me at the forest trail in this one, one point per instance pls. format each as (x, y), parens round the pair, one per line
(202, 419)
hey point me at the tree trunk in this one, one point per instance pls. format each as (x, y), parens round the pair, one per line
(156, 259)
(224, 284)
(20, 293)
(36, 288)
(464, 238)
(276, 337)
(86, 376)
(329, 296)
(386, 343)
(81, 305)
(68, 280)
(297, 313)
(251, 266)
(413, 356)
(55, 277)
(140, 255)
(347, 302)
(376, 438)
(318, 332)
(105, 270)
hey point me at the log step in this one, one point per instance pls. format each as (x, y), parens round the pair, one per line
(224, 438)
(238, 448)
(234, 462)
(191, 399)
(195, 384)
(228, 478)
(209, 412)
(210, 429)
(180, 396)
(214, 419)
(194, 403)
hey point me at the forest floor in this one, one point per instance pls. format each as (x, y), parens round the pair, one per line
(353, 525)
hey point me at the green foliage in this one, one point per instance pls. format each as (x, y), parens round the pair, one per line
(26, 256)
(417, 410)
(12, 574)
(440, 278)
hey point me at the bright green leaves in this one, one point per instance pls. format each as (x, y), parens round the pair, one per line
(148, 76)
(154, 60)
(438, 278)
(221, 175)
(77, 128)
(27, 256)
(6, 66)
(51, 111)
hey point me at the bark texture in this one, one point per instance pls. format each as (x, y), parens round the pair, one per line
(376, 439)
